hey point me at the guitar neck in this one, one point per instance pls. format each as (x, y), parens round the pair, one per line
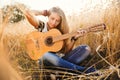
(95, 28)
(65, 36)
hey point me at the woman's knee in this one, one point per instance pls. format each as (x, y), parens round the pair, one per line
(86, 48)
(50, 57)
(47, 55)
(44, 57)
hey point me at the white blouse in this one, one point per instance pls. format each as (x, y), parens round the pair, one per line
(45, 28)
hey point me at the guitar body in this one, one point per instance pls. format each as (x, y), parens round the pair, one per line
(38, 43)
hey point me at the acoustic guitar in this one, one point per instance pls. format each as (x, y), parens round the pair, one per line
(38, 43)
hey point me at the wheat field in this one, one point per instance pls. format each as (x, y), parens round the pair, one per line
(105, 45)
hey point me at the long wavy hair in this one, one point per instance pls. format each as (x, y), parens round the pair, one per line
(63, 26)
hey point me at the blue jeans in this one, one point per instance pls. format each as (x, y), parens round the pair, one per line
(78, 54)
(70, 60)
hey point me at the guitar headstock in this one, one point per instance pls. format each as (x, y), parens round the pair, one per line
(96, 28)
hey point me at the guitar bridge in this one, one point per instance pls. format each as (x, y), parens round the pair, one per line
(37, 44)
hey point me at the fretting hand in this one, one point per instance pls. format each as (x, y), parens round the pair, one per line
(80, 33)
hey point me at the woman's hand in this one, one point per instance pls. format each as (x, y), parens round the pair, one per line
(45, 12)
(80, 33)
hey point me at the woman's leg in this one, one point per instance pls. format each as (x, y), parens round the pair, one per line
(78, 54)
(55, 60)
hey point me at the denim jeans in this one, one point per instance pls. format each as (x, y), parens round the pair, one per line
(78, 54)
(70, 60)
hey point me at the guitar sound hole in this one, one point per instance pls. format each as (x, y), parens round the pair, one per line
(49, 41)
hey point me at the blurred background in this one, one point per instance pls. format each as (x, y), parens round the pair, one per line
(105, 45)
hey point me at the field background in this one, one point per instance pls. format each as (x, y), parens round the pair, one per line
(105, 45)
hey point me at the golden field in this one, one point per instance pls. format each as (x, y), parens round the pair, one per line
(105, 45)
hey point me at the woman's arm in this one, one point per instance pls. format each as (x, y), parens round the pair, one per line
(69, 45)
(71, 42)
(31, 16)
(43, 13)
(32, 19)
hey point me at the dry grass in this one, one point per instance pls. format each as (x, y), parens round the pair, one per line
(105, 48)
(7, 72)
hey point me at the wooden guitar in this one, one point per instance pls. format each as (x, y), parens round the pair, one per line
(38, 43)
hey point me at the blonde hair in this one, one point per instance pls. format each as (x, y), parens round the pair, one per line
(63, 26)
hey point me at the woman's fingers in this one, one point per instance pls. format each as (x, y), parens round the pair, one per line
(80, 33)
(45, 12)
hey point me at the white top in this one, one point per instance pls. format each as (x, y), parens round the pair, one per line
(45, 28)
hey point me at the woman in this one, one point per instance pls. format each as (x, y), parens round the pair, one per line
(71, 59)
